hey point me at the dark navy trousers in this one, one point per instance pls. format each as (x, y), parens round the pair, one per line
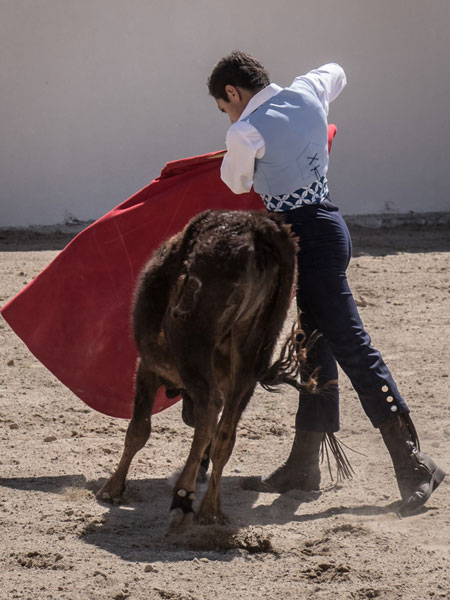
(327, 306)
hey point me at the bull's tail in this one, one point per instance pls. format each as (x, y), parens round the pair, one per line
(287, 368)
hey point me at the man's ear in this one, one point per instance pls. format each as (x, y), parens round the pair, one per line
(232, 93)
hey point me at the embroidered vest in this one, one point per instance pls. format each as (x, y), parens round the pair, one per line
(293, 124)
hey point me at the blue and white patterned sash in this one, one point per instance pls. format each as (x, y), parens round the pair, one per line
(316, 193)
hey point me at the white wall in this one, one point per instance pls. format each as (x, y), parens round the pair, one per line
(97, 95)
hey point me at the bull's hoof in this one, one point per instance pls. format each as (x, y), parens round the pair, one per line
(183, 500)
(179, 521)
(110, 493)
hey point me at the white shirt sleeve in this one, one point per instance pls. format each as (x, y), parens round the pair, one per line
(244, 144)
(328, 82)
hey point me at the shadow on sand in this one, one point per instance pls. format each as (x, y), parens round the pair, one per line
(136, 530)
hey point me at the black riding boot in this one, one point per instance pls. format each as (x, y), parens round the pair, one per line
(300, 471)
(417, 474)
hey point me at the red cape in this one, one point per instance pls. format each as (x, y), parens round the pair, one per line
(75, 316)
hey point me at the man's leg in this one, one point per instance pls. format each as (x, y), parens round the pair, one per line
(317, 411)
(338, 319)
(323, 290)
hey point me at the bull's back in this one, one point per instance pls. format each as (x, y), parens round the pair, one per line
(235, 258)
(227, 271)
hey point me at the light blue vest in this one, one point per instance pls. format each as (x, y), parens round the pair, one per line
(293, 124)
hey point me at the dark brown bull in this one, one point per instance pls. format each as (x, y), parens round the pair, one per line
(209, 308)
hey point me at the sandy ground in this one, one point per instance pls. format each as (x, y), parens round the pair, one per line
(344, 542)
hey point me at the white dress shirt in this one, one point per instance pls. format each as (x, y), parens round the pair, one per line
(244, 142)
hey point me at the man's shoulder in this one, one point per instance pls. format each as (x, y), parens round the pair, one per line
(243, 135)
(240, 129)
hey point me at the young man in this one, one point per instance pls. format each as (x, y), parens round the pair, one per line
(277, 143)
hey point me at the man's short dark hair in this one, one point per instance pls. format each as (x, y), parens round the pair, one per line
(237, 69)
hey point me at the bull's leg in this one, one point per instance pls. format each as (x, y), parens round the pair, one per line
(137, 434)
(181, 512)
(187, 415)
(221, 449)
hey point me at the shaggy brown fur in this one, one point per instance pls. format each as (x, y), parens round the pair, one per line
(209, 308)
